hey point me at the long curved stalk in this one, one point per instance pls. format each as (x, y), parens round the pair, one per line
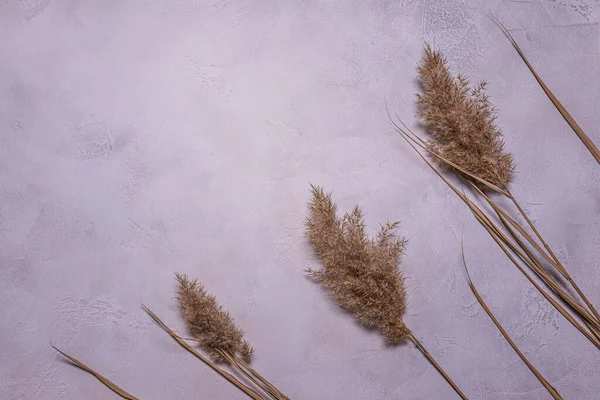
(553, 392)
(561, 109)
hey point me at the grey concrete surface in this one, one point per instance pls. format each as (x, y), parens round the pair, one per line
(140, 138)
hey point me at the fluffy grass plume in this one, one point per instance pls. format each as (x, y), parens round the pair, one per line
(212, 326)
(460, 120)
(360, 273)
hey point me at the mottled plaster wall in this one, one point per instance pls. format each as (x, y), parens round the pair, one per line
(139, 138)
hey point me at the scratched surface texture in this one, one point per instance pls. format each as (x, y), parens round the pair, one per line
(140, 138)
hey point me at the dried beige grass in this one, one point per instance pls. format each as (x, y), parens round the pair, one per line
(209, 323)
(360, 273)
(461, 121)
(214, 329)
(514, 241)
(517, 251)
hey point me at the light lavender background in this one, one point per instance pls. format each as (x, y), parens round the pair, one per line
(140, 138)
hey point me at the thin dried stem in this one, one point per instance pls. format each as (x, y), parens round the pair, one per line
(436, 365)
(558, 265)
(237, 362)
(493, 231)
(563, 111)
(553, 392)
(98, 376)
(260, 377)
(536, 265)
(498, 237)
(229, 357)
(248, 391)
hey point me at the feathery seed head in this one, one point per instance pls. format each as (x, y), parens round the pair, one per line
(461, 122)
(208, 322)
(360, 273)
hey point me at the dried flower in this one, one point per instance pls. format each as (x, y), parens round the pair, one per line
(209, 323)
(461, 122)
(360, 273)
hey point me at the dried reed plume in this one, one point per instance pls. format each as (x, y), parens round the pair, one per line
(361, 273)
(212, 326)
(526, 251)
(460, 120)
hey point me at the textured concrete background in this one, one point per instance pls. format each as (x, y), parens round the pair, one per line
(139, 138)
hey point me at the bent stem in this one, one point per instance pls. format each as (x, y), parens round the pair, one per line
(553, 392)
(436, 365)
(500, 240)
(98, 376)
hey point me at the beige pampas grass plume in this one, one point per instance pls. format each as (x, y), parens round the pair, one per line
(461, 121)
(360, 273)
(464, 138)
(206, 320)
(215, 331)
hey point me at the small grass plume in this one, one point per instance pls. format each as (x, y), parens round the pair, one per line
(360, 273)
(209, 323)
(214, 329)
(461, 121)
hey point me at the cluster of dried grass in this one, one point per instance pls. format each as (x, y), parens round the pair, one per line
(460, 120)
(465, 141)
(215, 331)
(209, 323)
(361, 273)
